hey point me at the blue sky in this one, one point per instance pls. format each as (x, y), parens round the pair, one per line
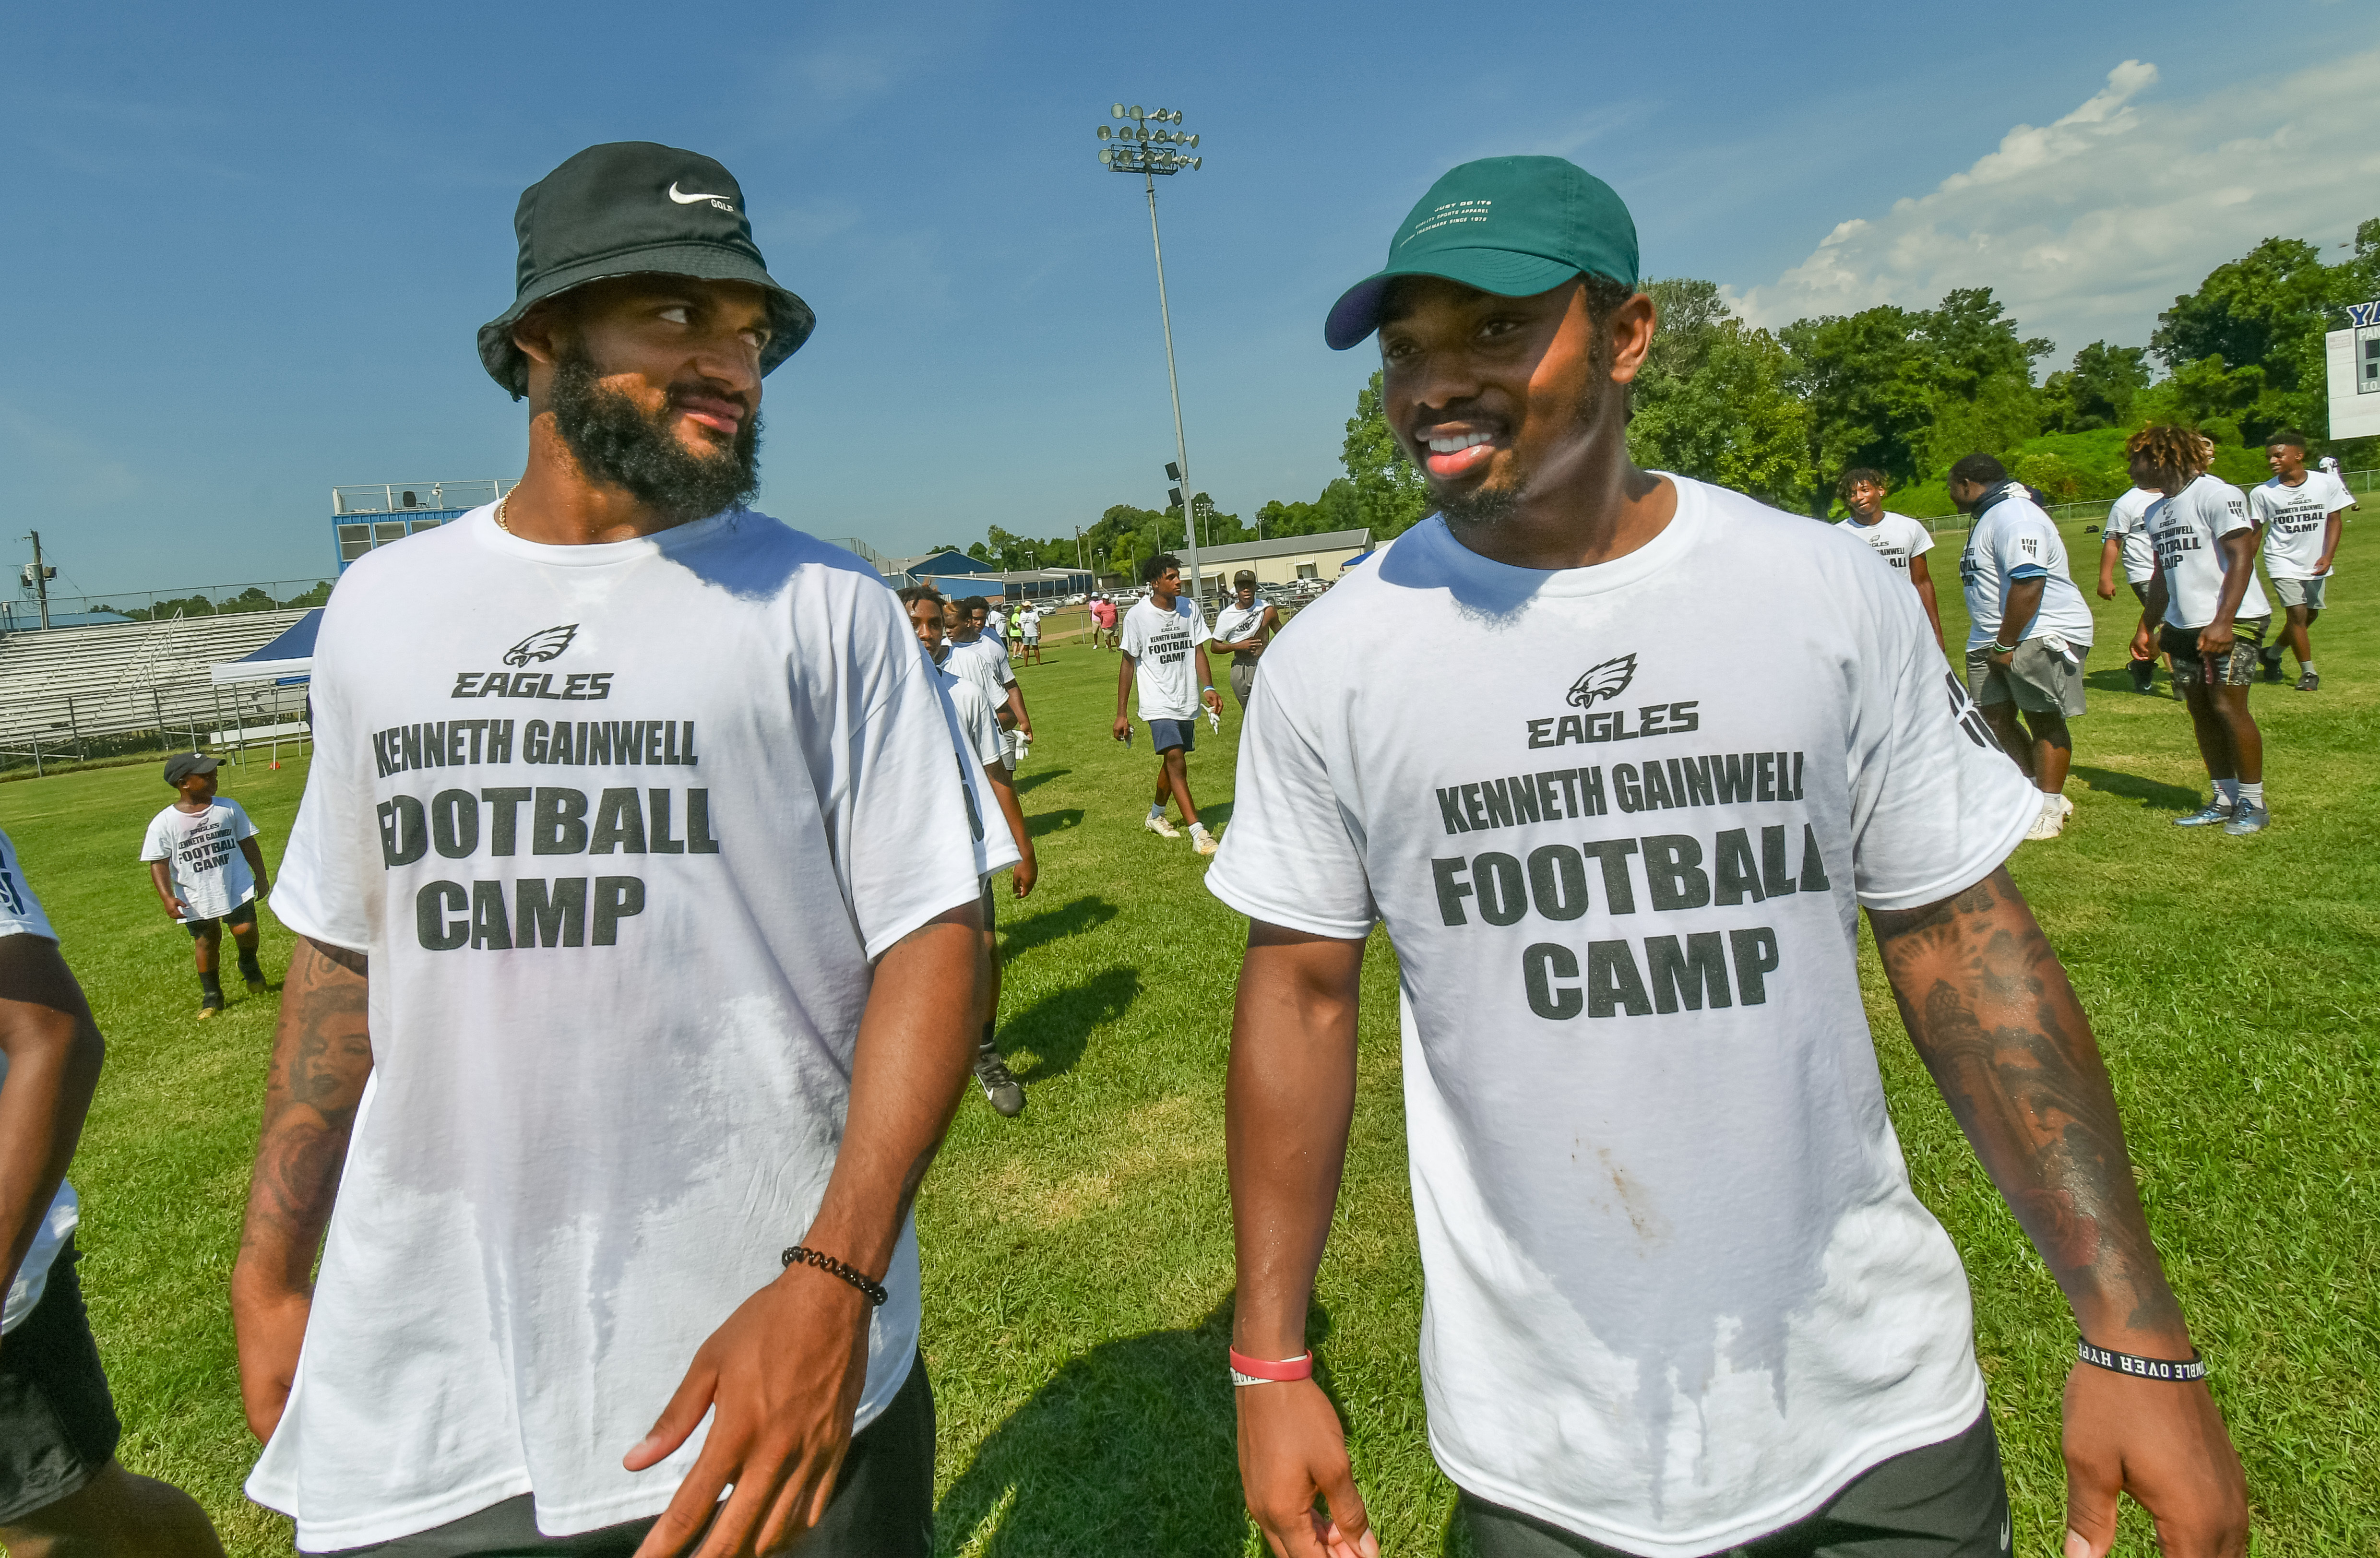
(249, 252)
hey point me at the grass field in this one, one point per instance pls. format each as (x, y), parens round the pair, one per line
(1078, 1258)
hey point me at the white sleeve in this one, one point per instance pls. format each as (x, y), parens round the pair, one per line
(916, 843)
(20, 912)
(2339, 496)
(1136, 643)
(331, 872)
(2260, 504)
(1936, 805)
(241, 827)
(1198, 634)
(2021, 547)
(1290, 856)
(156, 845)
(1921, 539)
(2225, 511)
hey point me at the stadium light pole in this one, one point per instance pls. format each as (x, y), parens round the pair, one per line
(1135, 148)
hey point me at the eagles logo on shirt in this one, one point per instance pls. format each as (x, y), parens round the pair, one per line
(546, 643)
(1607, 680)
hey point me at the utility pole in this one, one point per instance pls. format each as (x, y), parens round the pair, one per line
(38, 577)
(1136, 148)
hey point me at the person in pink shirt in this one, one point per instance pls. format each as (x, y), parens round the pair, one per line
(1103, 622)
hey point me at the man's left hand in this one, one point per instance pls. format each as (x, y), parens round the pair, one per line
(2165, 1444)
(783, 1376)
(1214, 699)
(2215, 638)
(2003, 657)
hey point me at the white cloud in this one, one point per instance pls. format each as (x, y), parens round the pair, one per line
(2088, 226)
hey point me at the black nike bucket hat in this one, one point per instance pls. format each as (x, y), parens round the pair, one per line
(631, 208)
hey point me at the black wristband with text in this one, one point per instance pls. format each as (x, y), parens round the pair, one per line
(874, 1291)
(2143, 1367)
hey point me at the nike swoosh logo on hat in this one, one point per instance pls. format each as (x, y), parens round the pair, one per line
(683, 199)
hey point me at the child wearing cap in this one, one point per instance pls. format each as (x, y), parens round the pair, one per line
(205, 862)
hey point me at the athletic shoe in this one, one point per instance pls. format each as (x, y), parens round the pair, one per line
(2250, 820)
(2052, 820)
(1005, 1094)
(2272, 670)
(1161, 828)
(209, 1006)
(1204, 842)
(2214, 811)
(2143, 675)
(253, 975)
(2309, 683)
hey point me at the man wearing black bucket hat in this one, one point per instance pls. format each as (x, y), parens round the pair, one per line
(635, 876)
(1680, 1299)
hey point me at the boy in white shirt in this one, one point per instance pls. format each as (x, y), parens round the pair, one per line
(2205, 610)
(980, 736)
(2303, 514)
(205, 862)
(1164, 636)
(2128, 541)
(1899, 540)
(1029, 630)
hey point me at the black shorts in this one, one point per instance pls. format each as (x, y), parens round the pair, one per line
(1939, 1500)
(58, 1422)
(883, 1504)
(242, 918)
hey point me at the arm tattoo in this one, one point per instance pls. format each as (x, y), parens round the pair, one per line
(321, 1057)
(1992, 1014)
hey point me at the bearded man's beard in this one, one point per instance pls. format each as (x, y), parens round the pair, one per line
(1483, 506)
(617, 442)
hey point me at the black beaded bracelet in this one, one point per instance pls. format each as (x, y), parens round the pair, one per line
(2143, 1367)
(874, 1291)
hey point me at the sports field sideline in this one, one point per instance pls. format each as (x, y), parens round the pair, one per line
(1078, 1260)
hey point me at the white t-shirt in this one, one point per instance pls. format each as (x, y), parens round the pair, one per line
(20, 915)
(2126, 523)
(1028, 623)
(995, 623)
(1235, 624)
(2296, 520)
(1678, 1290)
(979, 669)
(980, 736)
(994, 654)
(606, 1092)
(1164, 670)
(1896, 538)
(203, 856)
(2012, 541)
(2186, 529)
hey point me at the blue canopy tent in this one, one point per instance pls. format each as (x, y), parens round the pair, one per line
(287, 660)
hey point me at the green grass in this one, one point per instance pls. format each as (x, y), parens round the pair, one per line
(1078, 1260)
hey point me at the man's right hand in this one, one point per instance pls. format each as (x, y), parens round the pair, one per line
(1292, 1451)
(1123, 728)
(270, 1328)
(176, 910)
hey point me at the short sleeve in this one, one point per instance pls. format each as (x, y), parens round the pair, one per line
(1198, 634)
(20, 911)
(154, 844)
(1921, 539)
(2339, 496)
(2020, 547)
(1292, 856)
(331, 870)
(915, 841)
(1136, 643)
(2224, 510)
(1936, 805)
(241, 827)
(2260, 504)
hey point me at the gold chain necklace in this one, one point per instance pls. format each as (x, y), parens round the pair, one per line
(500, 523)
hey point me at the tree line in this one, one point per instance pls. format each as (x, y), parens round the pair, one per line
(1780, 414)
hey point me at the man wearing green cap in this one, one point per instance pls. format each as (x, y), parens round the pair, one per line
(635, 876)
(1680, 1299)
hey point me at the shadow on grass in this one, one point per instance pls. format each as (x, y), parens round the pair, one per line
(1038, 777)
(1057, 1028)
(2150, 793)
(1130, 1448)
(1052, 822)
(1019, 937)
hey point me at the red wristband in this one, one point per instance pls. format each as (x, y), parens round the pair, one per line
(1247, 1370)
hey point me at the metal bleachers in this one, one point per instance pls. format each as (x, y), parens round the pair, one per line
(70, 689)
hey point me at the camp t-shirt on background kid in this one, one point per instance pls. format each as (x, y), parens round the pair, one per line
(2011, 541)
(2126, 522)
(621, 833)
(20, 915)
(1163, 668)
(1896, 538)
(1678, 1290)
(2296, 520)
(1235, 624)
(203, 856)
(2187, 530)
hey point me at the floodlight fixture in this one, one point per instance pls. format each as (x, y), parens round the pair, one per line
(1117, 112)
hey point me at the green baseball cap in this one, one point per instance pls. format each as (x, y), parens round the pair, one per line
(1514, 226)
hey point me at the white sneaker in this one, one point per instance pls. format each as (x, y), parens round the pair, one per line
(1161, 828)
(1204, 842)
(2052, 820)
